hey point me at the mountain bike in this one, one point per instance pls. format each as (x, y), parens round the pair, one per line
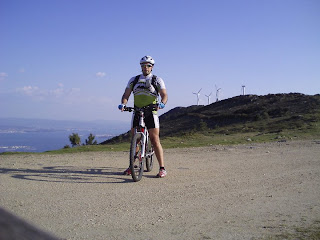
(141, 149)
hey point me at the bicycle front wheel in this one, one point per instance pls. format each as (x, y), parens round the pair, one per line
(136, 161)
(149, 158)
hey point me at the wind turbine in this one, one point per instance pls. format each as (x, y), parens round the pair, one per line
(243, 90)
(209, 96)
(198, 94)
(217, 93)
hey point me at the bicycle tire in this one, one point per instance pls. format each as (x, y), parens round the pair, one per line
(136, 162)
(149, 160)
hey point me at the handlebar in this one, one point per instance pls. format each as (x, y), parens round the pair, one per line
(151, 107)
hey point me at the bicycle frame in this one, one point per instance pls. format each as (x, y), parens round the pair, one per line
(142, 129)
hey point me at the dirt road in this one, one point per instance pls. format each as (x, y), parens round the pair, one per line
(219, 192)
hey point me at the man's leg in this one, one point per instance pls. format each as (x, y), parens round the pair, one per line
(155, 139)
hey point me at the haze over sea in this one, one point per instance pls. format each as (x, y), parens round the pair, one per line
(38, 135)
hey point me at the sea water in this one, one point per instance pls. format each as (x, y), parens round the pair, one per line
(41, 141)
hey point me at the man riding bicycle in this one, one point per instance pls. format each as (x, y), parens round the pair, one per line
(145, 88)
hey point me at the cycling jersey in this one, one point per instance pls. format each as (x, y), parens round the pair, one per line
(143, 91)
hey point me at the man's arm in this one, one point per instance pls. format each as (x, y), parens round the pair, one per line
(163, 95)
(125, 96)
(124, 99)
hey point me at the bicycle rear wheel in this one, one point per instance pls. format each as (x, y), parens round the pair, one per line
(149, 158)
(136, 162)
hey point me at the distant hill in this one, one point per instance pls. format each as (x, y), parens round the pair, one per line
(248, 113)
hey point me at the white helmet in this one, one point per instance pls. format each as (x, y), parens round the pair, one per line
(147, 59)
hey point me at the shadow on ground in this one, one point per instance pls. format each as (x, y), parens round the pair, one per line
(70, 174)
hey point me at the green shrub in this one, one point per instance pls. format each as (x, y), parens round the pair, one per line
(90, 140)
(75, 139)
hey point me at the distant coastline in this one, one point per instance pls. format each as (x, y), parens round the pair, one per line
(38, 135)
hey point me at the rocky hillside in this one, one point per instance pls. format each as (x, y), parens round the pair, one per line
(248, 113)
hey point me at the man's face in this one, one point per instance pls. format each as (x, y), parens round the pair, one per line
(146, 68)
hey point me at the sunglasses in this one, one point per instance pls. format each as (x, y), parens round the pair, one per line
(146, 65)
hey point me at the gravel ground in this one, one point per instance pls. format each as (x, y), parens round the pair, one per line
(254, 191)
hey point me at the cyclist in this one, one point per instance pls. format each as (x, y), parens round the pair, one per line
(145, 92)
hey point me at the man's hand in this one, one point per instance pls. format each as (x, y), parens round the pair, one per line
(121, 107)
(161, 105)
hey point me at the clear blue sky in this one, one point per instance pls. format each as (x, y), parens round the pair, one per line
(72, 59)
